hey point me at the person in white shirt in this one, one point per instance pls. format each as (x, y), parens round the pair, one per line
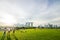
(8, 29)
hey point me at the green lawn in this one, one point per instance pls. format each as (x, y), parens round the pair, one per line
(32, 34)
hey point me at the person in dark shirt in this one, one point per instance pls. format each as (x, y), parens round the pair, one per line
(4, 30)
(14, 30)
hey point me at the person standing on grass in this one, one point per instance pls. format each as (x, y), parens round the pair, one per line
(8, 30)
(4, 31)
(4, 34)
(13, 30)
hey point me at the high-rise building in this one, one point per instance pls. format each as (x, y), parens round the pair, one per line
(29, 24)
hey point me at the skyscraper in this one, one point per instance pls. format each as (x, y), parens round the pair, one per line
(29, 24)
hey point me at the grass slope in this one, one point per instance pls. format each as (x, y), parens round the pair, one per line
(33, 34)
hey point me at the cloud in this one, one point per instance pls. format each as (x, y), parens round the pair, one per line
(40, 11)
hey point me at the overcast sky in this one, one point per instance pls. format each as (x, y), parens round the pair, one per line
(37, 11)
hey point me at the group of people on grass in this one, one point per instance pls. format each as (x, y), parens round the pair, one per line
(8, 30)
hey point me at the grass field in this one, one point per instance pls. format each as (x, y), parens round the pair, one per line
(32, 34)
